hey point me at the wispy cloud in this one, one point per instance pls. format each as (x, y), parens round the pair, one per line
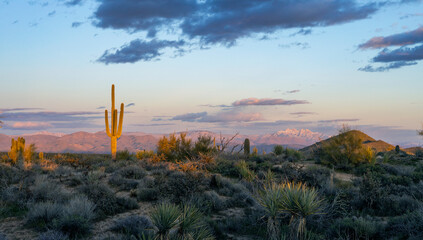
(130, 105)
(339, 120)
(50, 116)
(190, 117)
(222, 116)
(267, 102)
(77, 24)
(139, 50)
(73, 2)
(303, 113)
(370, 68)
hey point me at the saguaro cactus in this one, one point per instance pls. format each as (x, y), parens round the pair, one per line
(115, 131)
(247, 147)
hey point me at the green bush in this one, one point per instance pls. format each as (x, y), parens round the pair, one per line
(278, 150)
(124, 155)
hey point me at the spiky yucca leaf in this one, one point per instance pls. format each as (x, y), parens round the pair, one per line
(190, 219)
(269, 199)
(165, 217)
(300, 201)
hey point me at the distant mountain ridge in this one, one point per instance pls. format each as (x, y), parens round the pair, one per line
(98, 142)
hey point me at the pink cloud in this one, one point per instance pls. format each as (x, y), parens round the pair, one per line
(31, 125)
(267, 101)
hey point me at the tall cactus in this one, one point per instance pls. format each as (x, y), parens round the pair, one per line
(115, 131)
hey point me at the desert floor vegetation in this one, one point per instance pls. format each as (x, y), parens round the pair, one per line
(193, 190)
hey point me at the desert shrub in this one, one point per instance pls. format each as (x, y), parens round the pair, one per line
(124, 155)
(204, 145)
(77, 217)
(47, 190)
(356, 228)
(16, 197)
(132, 172)
(179, 186)
(106, 201)
(293, 155)
(42, 215)
(394, 205)
(146, 194)
(175, 147)
(9, 175)
(53, 235)
(133, 225)
(123, 183)
(371, 191)
(278, 150)
(315, 176)
(74, 181)
(144, 154)
(407, 226)
(245, 172)
(209, 202)
(127, 203)
(225, 167)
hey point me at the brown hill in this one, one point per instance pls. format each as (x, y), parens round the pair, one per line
(376, 145)
(413, 150)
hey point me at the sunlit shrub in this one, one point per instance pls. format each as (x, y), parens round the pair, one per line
(144, 154)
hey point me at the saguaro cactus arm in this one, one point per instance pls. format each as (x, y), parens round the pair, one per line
(106, 116)
(119, 133)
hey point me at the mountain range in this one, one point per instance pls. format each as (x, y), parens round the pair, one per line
(99, 142)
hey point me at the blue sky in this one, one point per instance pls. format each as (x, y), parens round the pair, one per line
(233, 66)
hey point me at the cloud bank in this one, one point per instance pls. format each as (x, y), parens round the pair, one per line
(406, 55)
(215, 22)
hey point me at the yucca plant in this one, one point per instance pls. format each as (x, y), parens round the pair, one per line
(300, 201)
(165, 217)
(191, 224)
(269, 198)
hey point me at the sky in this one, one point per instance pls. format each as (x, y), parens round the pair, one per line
(253, 67)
